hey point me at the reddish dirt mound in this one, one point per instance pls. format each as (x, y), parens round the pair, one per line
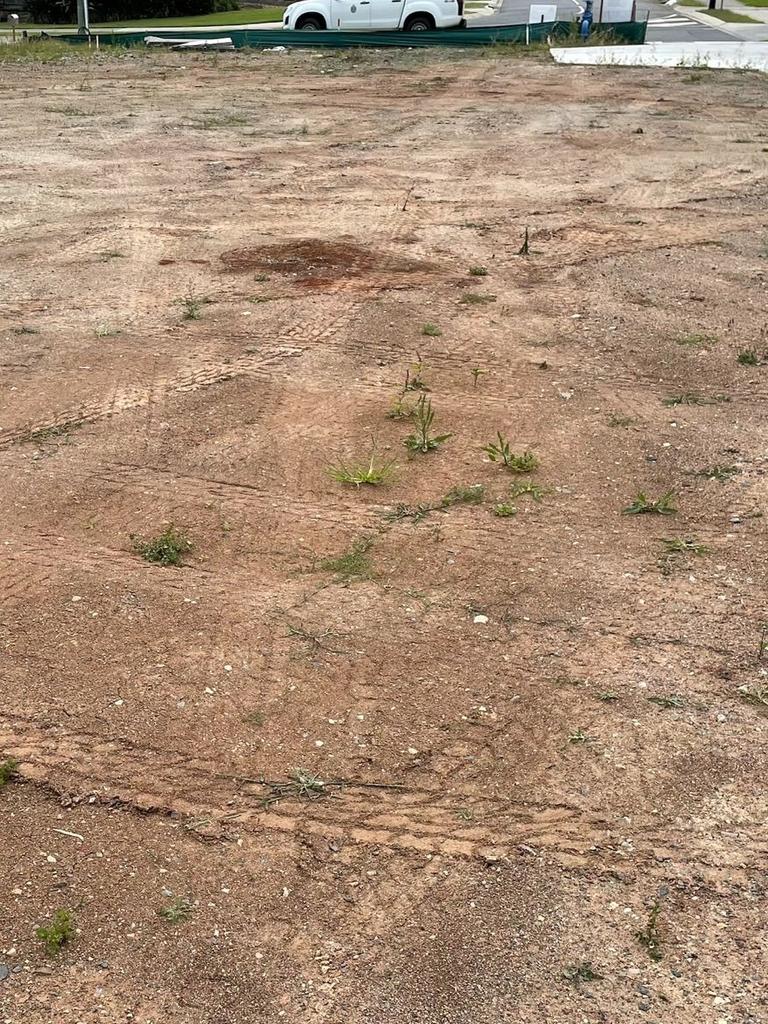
(311, 261)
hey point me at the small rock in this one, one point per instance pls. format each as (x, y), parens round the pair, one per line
(4, 972)
(480, 620)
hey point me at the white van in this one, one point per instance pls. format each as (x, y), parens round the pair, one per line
(373, 15)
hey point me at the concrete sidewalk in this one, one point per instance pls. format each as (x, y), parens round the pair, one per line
(738, 30)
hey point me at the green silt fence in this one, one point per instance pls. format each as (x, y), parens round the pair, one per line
(618, 32)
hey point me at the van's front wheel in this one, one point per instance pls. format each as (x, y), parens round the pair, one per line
(419, 23)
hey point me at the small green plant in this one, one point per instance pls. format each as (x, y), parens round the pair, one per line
(641, 504)
(372, 473)
(718, 472)
(8, 769)
(525, 249)
(414, 376)
(683, 546)
(69, 111)
(421, 440)
(478, 271)
(431, 331)
(168, 548)
(476, 375)
(400, 408)
(111, 254)
(191, 306)
(504, 510)
(181, 909)
(471, 495)
(501, 452)
(255, 718)
(476, 299)
(577, 973)
(106, 331)
(607, 696)
(650, 936)
(300, 783)
(686, 398)
(521, 488)
(672, 700)
(353, 564)
(749, 357)
(24, 329)
(579, 736)
(694, 398)
(60, 930)
(695, 340)
(616, 420)
(413, 512)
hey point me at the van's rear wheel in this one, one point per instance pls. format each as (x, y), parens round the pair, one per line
(419, 23)
(310, 24)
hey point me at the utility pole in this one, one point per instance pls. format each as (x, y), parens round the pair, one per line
(83, 26)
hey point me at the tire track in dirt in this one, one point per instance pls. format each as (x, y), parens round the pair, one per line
(199, 371)
(212, 370)
(418, 821)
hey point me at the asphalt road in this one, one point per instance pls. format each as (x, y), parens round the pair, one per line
(664, 24)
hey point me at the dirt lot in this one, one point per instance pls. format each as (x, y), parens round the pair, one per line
(216, 273)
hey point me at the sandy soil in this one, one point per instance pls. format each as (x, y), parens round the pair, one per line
(547, 726)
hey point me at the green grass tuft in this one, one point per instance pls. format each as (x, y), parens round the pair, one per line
(695, 340)
(181, 909)
(643, 505)
(650, 936)
(166, 549)
(55, 935)
(353, 564)
(526, 462)
(718, 472)
(749, 357)
(8, 769)
(371, 473)
(422, 440)
(504, 510)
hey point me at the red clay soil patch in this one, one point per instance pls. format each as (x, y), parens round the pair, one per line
(313, 262)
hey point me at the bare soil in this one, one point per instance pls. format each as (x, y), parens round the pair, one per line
(216, 272)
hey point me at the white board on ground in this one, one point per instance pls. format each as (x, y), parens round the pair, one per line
(616, 10)
(181, 43)
(739, 56)
(541, 12)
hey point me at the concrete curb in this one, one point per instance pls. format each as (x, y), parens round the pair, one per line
(728, 27)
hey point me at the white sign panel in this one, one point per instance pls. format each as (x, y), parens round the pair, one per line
(542, 12)
(616, 10)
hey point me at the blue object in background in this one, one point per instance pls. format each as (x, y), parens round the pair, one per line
(586, 20)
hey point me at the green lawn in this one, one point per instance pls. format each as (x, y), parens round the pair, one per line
(755, 3)
(725, 15)
(245, 16)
